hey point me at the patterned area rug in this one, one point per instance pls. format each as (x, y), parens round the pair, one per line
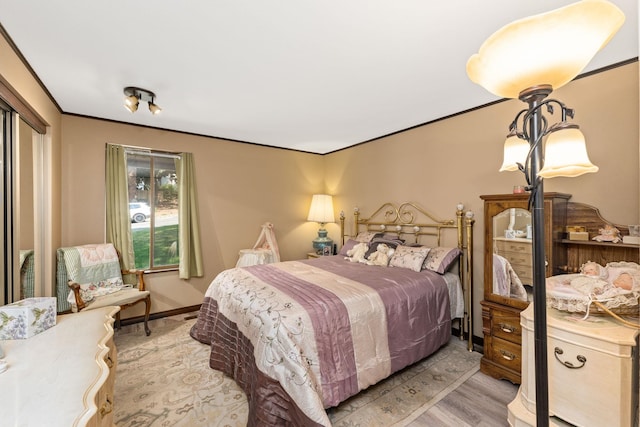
(165, 380)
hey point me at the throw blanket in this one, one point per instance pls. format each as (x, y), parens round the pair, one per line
(505, 280)
(95, 267)
(325, 328)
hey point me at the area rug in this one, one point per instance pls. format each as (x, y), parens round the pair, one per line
(165, 380)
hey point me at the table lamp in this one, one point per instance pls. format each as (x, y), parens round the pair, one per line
(321, 211)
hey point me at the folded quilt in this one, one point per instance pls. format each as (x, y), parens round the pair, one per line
(96, 268)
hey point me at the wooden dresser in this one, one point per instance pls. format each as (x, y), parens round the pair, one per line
(63, 376)
(506, 218)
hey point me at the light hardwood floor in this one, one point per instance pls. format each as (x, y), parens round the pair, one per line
(480, 401)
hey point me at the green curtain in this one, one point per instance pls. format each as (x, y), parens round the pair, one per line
(118, 221)
(189, 228)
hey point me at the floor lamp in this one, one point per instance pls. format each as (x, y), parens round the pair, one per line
(527, 60)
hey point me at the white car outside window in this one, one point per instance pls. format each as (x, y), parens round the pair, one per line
(139, 211)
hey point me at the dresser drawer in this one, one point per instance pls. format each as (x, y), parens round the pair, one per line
(519, 255)
(513, 246)
(506, 353)
(518, 259)
(506, 325)
(524, 272)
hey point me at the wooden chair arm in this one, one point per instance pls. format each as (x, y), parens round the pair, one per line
(75, 287)
(140, 277)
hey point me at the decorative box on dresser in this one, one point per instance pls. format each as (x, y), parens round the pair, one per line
(64, 376)
(506, 224)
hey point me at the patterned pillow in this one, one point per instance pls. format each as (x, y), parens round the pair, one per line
(410, 257)
(440, 259)
(90, 291)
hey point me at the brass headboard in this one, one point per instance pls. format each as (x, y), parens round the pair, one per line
(411, 222)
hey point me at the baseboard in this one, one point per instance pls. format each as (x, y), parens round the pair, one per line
(160, 315)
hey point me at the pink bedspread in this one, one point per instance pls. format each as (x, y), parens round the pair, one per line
(318, 331)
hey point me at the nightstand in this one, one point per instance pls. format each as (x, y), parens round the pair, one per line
(312, 255)
(593, 371)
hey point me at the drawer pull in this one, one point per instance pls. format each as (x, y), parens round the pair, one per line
(109, 362)
(505, 327)
(106, 408)
(507, 355)
(558, 351)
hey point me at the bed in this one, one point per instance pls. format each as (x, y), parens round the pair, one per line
(302, 336)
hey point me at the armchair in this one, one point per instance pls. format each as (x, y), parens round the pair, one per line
(93, 275)
(27, 274)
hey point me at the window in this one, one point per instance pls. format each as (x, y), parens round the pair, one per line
(153, 208)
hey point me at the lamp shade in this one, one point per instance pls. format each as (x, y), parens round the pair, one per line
(131, 103)
(154, 108)
(534, 51)
(566, 154)
(321, 209)
(515, 151)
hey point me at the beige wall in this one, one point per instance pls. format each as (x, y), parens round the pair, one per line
(457, 160)
(14, 73)
(241, 185)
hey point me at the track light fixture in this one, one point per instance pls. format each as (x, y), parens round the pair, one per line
(133, 96)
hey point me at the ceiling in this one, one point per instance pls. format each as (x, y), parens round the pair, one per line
(314, 76)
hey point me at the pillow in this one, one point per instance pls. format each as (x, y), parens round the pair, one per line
(373, 246)
(410, 257)
(367, 236)
(347, 247)
(90, 291)
(440, 259)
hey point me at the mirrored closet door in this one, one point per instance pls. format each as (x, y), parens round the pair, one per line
(22, 230)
